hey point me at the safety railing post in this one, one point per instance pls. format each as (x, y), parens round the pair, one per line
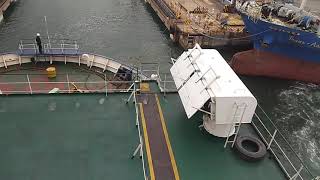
(158, 71)
(30, 88)
(140, 145)
(4, 61)
(69, 90)
(62, 46)
(272, 138)
(129, 98)
(35, 48)
(285, 162)
(21, 46)
(164, 85)
(106, 84)
(135, 104)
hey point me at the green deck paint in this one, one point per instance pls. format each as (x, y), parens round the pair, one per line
(70, 137)
(201, 156)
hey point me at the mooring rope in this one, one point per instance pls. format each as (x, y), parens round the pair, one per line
(226, 39)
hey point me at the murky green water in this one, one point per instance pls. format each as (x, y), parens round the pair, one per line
(128, 30)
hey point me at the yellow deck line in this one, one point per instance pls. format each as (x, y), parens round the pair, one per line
(146, 139)
(166, 135)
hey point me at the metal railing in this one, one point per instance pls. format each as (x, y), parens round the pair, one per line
(62, 46)
(277, 144)
(28, 86)
(30, 45)
(140, 145)
(166, 83)
(49, 46)
(151, 71)
(69, 86)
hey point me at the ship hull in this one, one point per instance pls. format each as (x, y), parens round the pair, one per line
(261, 63)
(282, 40)
(279, 52)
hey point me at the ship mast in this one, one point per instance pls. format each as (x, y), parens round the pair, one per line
(303, 4)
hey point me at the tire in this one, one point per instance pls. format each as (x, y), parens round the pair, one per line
(257, 152)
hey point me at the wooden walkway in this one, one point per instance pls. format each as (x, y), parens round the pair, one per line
(162, 165)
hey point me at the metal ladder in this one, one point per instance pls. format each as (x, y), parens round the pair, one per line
(236, 123)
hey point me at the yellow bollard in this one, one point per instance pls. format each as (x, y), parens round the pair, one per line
(51, 71)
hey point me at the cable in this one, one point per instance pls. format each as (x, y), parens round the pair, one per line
(240, 38)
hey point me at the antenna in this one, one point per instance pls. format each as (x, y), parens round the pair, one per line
(45, 20)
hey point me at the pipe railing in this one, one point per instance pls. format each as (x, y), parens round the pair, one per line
(166, 83)
(139, 133)
(149, 69)
(48, 46)
(69, 86)
(290, 163)
(152, 72)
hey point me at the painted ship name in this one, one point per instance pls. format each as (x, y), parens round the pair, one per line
(310, 44)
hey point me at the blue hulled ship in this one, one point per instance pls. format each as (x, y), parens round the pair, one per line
(286, 41)
(283, 29)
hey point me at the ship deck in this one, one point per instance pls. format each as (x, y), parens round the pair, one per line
(200, 155)
(70, 137)
(93, 141)
(93, 136)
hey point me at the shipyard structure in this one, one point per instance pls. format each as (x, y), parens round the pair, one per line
(210, 23)
(4, 4)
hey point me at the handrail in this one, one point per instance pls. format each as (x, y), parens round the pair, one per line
(155, 69)
(48, 47)
(31, 90)
(287, 164)
(163, 83)
(60, 44)
(134, 69)
(282, 136)
(51, 40)
(139, 132)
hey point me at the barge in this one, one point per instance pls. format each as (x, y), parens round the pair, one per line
(4, 5)
(208, 23)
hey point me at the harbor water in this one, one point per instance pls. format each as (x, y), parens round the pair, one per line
(128, 30)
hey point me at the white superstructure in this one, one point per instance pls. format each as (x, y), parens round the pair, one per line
(206, 83)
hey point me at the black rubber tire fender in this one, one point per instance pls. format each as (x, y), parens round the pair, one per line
(250, 155)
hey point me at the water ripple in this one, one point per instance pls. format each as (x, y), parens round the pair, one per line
(298, 115)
